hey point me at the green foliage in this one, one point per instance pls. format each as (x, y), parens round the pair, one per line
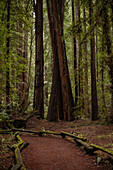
(23, 12)
(4, 115)
(20, 11)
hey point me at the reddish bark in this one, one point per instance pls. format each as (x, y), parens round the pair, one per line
(55, 109)
(74, 53)
(86, 107)
(39, 61)
(93, 69)
(64, 73)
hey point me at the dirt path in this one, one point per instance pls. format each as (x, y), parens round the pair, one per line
(48, 153)
(55, 153)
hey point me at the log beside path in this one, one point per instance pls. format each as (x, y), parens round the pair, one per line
(96, 147)
(63, 134)
(79, 139)
(17, 149)
(88, 148)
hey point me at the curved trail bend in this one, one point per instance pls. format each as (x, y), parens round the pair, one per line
(48, 153)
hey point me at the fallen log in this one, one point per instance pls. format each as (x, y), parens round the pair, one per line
(36, 132)
(78, 139)
(23, 130)
(21, 142)
(86, 146)
(18, 160)
(63, 134)
(17, 149)
(24, 145)
(5, 131)
(96, 147)
(15, 167)
(48, 132)
(19, 123)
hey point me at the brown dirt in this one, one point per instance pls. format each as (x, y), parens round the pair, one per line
(55, 153)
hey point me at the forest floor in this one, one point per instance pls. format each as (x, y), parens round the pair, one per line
(54, 153)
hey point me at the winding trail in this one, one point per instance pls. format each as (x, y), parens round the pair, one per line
(48, 153)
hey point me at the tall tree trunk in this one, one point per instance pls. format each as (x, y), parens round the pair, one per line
(74, 52)
(39, 61)
(79, 56)
(25, 73)
(97, 59)
(64, 73)
(86, 105)
(8, 60)
(93, 69)
(55, 109)
(20, 60)
(61, 4)
(46, 87)
(106, 30)
(102, 74)
(30, 61)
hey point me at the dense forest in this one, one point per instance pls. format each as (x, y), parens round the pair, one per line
(56, 59)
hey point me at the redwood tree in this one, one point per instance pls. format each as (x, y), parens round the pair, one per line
(93, 69)
(7, 57)
(67, 96)
(86, 107)
(55, 109)
(74, 53)
(39, 61)
(108, 43)
(25, 72)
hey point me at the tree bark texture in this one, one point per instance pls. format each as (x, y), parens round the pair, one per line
(39, 61)
(64, 73)
(102, 74)
(93, 69)
(46, 87)
(30, 83)
(55, 109)
(79, 56)
(8, 60)
(108, 42)
(20, 60)
(25, 72)
(74, 53)
(86, 105)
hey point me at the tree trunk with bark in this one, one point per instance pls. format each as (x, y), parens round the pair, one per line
(108, 42)
(79, 56)
(8, 60)
(25, 72)
(20, 60)
(93, 69)
(68, 102)
(30, 61)
(46, 87)
(55, 109)
(39, 61)
(86, 105)
(74, 53)
(102, 76)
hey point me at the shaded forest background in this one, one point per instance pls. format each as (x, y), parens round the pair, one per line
(56, 59)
